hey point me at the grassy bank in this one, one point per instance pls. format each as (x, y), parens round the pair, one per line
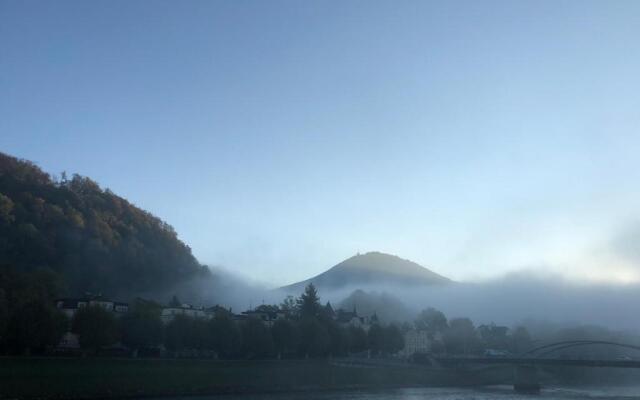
(109, 378)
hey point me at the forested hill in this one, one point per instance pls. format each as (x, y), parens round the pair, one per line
(96, 240)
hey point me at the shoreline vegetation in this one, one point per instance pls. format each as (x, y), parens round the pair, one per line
(109, 378)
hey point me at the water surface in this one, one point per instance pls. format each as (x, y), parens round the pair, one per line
(493, 392)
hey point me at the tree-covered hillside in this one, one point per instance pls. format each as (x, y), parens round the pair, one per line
(95, 239)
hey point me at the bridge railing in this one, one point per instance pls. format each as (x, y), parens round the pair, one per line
(541, 351)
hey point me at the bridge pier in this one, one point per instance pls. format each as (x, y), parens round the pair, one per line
(526, 379)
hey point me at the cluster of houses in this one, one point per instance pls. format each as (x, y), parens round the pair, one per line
(416, 341)
(267, 314)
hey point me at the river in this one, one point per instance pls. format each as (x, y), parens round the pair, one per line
(487, 393)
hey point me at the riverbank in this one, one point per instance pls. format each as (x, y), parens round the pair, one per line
(101, 378)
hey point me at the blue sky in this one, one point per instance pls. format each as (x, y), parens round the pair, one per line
(279, 138)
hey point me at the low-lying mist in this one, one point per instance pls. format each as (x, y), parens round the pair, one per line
(525, 296)
(509, 301)
(221, 287)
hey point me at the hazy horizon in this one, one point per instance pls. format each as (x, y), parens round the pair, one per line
(281, 138)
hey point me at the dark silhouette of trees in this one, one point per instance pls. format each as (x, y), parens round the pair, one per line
(375, 339)
(226, 335)
(29, 323)
(285, 337)
(432, 321)
(4, 316)
(189, 336)
(357, 339)
(384, 340)
(338, 338)
(393, 340)
(257, 341)
(6, 210)
(37, 326)
(309, 302)
(494, 337)
(141, 327)
(176, 333)
(95, 327)
(198, 335)
(314, 338)
(461, 337)
(289, 306)
(520, 340)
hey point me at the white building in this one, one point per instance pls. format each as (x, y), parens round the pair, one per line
(419, 342)
(70, 306)
(169, 313)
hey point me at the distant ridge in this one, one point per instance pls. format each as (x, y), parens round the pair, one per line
(372, 269)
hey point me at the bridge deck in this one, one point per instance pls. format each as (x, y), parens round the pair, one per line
(539, 361)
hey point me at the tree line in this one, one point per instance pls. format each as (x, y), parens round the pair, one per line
(308, 331)
(30, 323)
(461, 336)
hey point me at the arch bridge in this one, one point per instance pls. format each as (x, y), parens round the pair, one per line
(526, 364)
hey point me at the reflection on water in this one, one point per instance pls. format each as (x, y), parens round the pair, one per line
(493, 392)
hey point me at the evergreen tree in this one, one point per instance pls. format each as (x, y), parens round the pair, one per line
(309, 302)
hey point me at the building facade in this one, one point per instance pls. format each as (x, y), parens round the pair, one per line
(70, 306)
(419, 342)
(169, 313)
